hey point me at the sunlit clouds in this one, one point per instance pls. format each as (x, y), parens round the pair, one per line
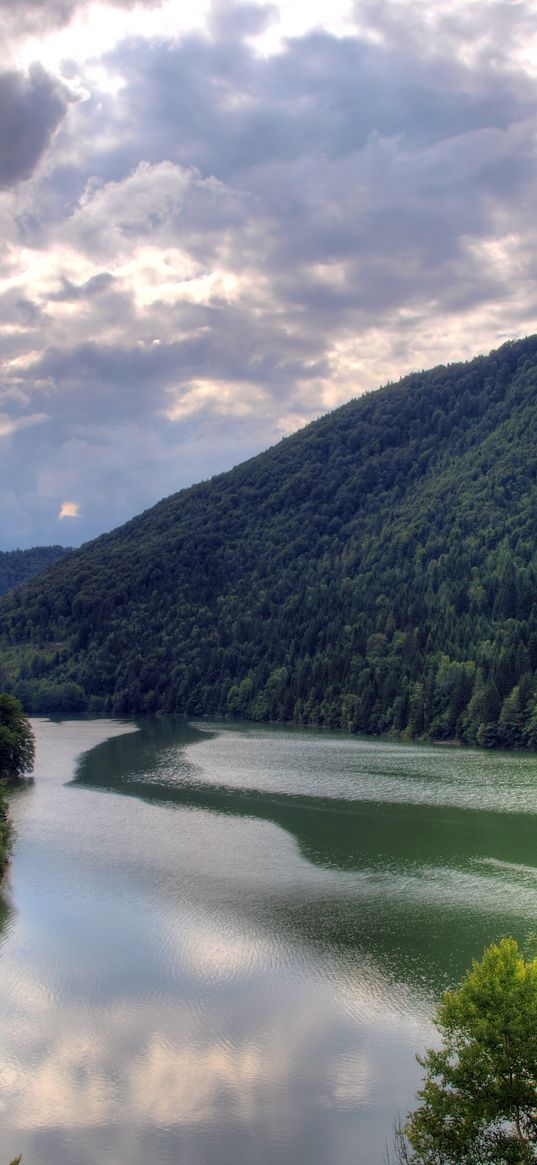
(219, 223)
(69, 510)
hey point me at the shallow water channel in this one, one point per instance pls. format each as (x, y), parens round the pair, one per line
(221, 943)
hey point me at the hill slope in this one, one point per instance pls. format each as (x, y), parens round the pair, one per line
(16, 566)
(376, 571)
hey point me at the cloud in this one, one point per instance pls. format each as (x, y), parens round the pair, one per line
(69, 510)
(10, 425)
(33, 17)
(231, 237)
(356, 173)
(75, 292)
(33, 105)
(112, 219)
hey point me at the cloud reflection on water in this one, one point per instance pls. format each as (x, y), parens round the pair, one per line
(194, 971)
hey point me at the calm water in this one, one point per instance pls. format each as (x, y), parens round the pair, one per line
(221, 944)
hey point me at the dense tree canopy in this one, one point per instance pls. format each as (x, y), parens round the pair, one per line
(16, 739)
(375, 572)
(479, 1098)
(16, 566)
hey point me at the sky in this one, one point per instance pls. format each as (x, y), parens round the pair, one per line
(218, 224)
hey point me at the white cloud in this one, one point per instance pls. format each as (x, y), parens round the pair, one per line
(112, 217)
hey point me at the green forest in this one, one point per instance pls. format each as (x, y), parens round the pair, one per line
(16, 566)
(376, 572)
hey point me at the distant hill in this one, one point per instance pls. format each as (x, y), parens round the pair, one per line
(17, 566)
(376, 572)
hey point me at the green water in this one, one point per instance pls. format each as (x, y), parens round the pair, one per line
(221, 943)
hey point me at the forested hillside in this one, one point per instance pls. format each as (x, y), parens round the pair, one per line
(375, 572)
(16, 566)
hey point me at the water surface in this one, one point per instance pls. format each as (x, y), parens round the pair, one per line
(223, 942)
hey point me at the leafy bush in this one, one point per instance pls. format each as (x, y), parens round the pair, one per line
(479, 1097)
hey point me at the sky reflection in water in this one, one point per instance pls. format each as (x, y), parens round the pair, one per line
(235, 960)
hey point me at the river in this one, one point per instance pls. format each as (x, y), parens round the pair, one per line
(221, 944)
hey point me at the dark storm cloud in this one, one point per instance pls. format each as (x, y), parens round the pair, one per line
(32, 106)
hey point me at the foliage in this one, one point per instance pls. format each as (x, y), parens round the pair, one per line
(16, 739)
(16, 566)
(375, 572)
(479, 1098)
(16, 758)
(5, 830)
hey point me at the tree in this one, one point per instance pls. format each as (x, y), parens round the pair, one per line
(5, 830)
(17, 747)
(479, 1097)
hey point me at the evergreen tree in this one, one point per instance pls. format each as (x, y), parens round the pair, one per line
(17, 748)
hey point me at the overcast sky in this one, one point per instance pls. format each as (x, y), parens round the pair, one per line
(217, 226)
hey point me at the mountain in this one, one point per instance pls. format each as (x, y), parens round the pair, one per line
(16, 566)
(376, 572)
